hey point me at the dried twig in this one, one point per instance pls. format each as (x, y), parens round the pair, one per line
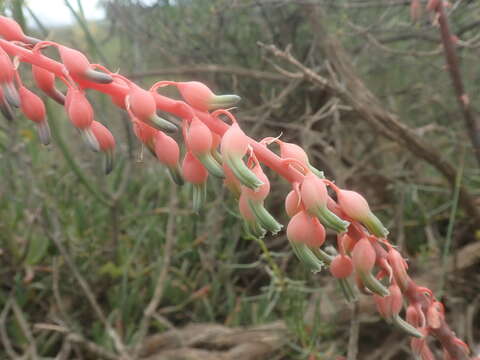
(162, 277)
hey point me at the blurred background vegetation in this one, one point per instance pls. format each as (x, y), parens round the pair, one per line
(83, 254)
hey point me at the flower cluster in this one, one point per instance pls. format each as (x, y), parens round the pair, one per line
(362, 254)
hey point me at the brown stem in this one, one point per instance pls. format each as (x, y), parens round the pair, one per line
(472, 122)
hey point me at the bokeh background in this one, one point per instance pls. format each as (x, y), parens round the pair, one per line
(82, 254)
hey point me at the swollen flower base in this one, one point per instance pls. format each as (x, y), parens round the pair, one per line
(363, 255)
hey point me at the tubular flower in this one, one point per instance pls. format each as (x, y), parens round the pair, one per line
(305, 233)
(293, 151)
(293, 203)
(7, 75)
(202, 98)
(168, 153)
(363, 257)
(315, 197)
(78, 65)
(106, 143)
(231, 182)
(251, 223)
(234, 146)
(199, 140)
(11, 31)
(341, 266)
(5, 107)
(399, 267)
(146, 134)
(45, 80)
(195, 173)
(356, 207)
(80, 113)
(34, 109)
(255, 199)
(142, 105)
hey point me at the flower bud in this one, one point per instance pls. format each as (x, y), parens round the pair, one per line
(315, 198)
(5, 107)
(10, 30)
(293, 151)
(199, 140)
(34, 109)
(391, 305)
(305, 229)
(435, 315)
(202, 98)
(234, 146)
(356, 207)
(145, 133)
(106, 143)
(80, 113)
(168, 153)
(255, 199)
(252, 224)
(292, 203)
(79, 110)
(195, 173)
(399, 268)
(363, 257)
(143, 106)
(45, 80)
(7, 75)
(77, 64)
(341, 266)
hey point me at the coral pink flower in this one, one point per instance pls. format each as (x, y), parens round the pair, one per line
(231, 182)
(293, 151)
(11, 31)
(202, 98)
(45, 80)
(168, 153)
(315, 198)
(255, 199)
(80, 113)
(7, 75)
(363, 256)
(305, 229)
(106, 143)
(391, 305)
(234, 146)
(341, 266)
(145, 133)
(77, 64)
(356, 207)
(292, 203)
(79, 110)
(399, 267)
(34, 109)
(142, 105)
(195, 173)
(249, 217)
(199, 140)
